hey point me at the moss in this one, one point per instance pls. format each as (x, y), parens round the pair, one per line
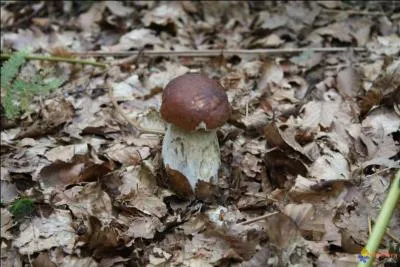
(22, 208)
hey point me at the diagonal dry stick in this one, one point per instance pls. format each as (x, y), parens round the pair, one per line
(259, 218)
(216, 52)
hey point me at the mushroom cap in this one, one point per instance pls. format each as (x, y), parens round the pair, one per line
(194, 101)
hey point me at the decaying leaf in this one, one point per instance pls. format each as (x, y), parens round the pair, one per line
(55, 114)
(86, 201)
(45, 233)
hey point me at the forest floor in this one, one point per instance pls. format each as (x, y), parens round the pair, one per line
(307, 156)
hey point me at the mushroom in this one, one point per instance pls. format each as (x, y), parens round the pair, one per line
(194, 106)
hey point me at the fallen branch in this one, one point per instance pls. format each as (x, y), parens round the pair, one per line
(58, 59)
(216, 52)
(132, 122)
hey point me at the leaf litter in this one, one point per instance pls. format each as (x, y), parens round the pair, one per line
(313, 136)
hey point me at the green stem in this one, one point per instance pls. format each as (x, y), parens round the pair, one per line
(59, 59)
(383, 221)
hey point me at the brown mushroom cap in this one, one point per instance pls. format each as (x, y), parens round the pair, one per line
(191, 99)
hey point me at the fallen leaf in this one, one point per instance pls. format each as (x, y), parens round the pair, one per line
(54, 115)
(88, 200)
(8, 192)
(386, 45)
(60, 174)
(118, 9)
(348, 82)
(127, 155)
(43, 260)
(164, 14)
(66, 153)
(145, 202)
(332, 166)
(318, 113)
(143, 227)
(71, 261)
(94, 15)
(6, 224)
(137, 38)
(45, 233)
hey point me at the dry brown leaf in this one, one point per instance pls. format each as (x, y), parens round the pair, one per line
(71, 261)
(142, 227)
(88, 20)
(137, 38)
(43, 260)
(66, 153)
(386, 45)
(118, 9)
(60, 174)
(146, 203)
(88, 200)
(45, 233)
(54, 115)
(127, 155)
(165, 14)
(348, 82)
(6, 224)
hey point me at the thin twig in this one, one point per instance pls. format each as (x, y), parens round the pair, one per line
(262, 217)
(369, 226)
(58, 59)
(388, 233)
(216, 52)
(124, 61)
(355, 12)
(392, 236)
(132, 122)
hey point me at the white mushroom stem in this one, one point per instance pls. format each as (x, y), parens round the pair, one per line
(194, 154)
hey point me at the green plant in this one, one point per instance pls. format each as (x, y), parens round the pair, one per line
(17, 92)
(22, 208)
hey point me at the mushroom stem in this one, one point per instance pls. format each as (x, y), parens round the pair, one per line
(194, 154)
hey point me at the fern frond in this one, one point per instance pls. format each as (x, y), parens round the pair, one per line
(11, 67)
(18, 91)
